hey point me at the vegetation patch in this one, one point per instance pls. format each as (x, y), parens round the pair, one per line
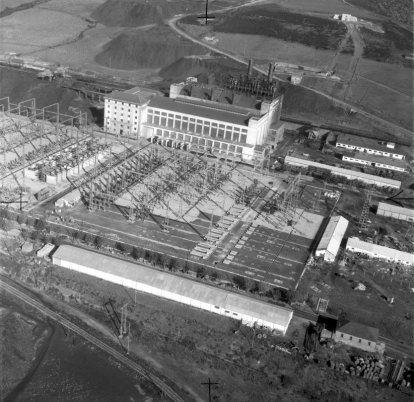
(388, 47)
(398, 10)
(271, 21)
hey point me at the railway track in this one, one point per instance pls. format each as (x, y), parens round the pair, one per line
(160, 384)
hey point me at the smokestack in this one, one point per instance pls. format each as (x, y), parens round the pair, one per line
(270, 73)
(250, 68)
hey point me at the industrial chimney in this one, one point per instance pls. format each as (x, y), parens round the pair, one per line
(270, 73)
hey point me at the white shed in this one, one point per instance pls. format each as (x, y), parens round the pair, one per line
(328, 247)
(183, 290)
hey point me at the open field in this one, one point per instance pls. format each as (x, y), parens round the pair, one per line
(36, 21)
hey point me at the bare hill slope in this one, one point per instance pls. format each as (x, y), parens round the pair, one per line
(157, 47)
(134, 13)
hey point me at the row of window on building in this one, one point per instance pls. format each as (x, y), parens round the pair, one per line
(199, 141)
(359, 341)
(197, 126)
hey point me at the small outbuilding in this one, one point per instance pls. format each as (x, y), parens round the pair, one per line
(360, 336)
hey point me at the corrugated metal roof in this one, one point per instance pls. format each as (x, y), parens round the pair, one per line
(333, 235)
(177, 285)
(363, 142)
(363, 156)
(395, 209)
(360, 331)
(379, 251)
(210, 110)
(293, 160)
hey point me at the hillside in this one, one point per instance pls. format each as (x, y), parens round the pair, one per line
(134, 13)
(154, 48)
(200, 67)
(398, 10)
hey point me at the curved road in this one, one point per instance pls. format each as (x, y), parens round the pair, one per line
(165, 389)
(173, 25)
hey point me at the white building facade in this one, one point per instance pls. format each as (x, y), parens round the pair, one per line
(189, 123)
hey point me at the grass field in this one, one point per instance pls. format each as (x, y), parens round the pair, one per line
(37, 22)
(275, 22)
(387, 47)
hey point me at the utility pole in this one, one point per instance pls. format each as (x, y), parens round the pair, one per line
(209, 384)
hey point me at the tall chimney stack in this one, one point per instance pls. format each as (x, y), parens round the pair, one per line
(270, 73)
(250, 68)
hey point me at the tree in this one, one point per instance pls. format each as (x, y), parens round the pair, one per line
(99, 242)
(240, 282)
(214, 276)
(57, 241)
(121, 247)
(39, 224)
(136, 253)
(171, 264)
(201, 272)
(88, 238)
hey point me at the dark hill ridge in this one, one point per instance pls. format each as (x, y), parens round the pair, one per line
(134, 13)
(154, 48)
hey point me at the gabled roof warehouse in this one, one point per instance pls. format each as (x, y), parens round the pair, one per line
(395, 211)
(374, 250)
(173, 287)
(332, 237)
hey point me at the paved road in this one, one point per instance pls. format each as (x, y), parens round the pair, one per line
(164, 388)
(173, 25)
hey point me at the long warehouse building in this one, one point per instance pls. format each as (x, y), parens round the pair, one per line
(396, 212)
(381, 252)
(349, 174)
(328, 247)
(172, 287)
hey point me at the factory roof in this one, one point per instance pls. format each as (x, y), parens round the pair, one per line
(395, 209)
(378, 159)
(364, 142)
(134, 95)
(333, 235)
(360, 331)
(205, 109)
(175, 284)
(293, 160)
(379, 251)
(221, 95)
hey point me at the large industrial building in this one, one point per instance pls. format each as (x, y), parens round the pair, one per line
(349, 174)
(202, 118)
(215, 300)
(370, 146)
(396, 212)
(328, 247)
(381, 252)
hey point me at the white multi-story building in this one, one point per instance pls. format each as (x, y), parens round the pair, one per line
(369, 146)
(200, 118)
(125, 111)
